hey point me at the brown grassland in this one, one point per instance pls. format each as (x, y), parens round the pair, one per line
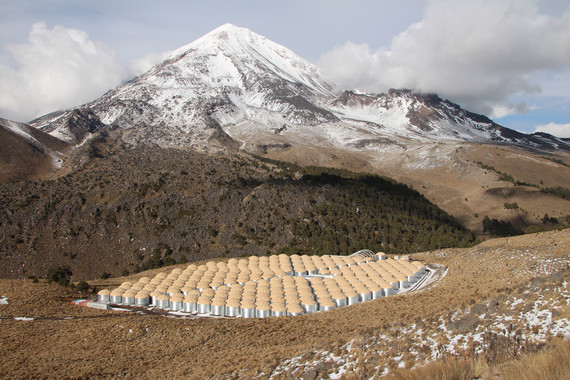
(67, 341)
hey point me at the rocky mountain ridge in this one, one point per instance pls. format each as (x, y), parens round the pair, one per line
(234, 88)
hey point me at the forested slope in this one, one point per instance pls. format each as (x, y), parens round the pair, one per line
(148, 206)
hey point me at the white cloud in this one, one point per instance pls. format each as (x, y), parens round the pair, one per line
(558, 130)
(57, 69)
(508, 108)
(477, 53)
(141, 65)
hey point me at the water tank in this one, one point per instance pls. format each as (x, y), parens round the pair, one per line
(189, 304)
(326, 304)
(116, 296)
(218, 306)
(262, 309)
(104, 296)
(142, 299)
(233, 307)
(129, 297)
(339, 298)
(177, 302)
(163, 302)
(248, 308)
(153, 296)
(204, 304)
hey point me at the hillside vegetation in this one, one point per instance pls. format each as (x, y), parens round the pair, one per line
(147, 207)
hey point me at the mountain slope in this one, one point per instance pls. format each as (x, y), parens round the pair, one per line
(142, 207)
(26, 152)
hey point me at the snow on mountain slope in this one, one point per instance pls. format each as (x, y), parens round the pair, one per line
(234, 88)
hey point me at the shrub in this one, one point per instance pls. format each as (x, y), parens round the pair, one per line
(61, 275)
(499, 227)
(82, 286)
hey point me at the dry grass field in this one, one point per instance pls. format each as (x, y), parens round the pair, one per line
(498, 310)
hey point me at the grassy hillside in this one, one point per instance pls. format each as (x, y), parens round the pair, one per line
(500, 309)
(147, 207)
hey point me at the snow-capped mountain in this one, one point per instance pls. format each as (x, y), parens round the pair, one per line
(234, 88)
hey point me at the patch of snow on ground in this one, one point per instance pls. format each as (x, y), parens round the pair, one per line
(3, 300)
(23, 319)
(518, 321)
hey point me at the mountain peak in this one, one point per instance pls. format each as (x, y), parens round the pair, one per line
(221, 38)
(235, 87)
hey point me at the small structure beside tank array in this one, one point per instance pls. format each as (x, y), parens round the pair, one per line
(278, 285)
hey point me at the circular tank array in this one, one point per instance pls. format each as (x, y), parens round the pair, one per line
(278, 285)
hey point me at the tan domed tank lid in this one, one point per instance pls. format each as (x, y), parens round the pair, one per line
(217, 301)
(144, 280)
(374, 287)
(161, 275)
(295, 308)
(247, 296)
(117, 292)
(291, 297)
(186, 289)
(247, 304)
(196, 292)
(204, 300)
(104, 292)
(156, 293)
(327, 302)
(280, 272)
(279, 307)
(277, 298)
(137, 286)
(126, 285)
(223, 289)
(262, 305)
(301, 280)
(177, 298)
(203, 284)
(350, 292)
(237, 297)
(173, 289)
(208, 292)
(129, 293)
(256, 276)
(232, 302)
(170, 279)
(308, 300)
(263, 297)
(141, 295)
(191, 298)
(163, 297)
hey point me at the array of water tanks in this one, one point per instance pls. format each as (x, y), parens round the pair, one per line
(277, 285)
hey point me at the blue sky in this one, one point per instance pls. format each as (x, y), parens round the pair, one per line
(507, 59)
